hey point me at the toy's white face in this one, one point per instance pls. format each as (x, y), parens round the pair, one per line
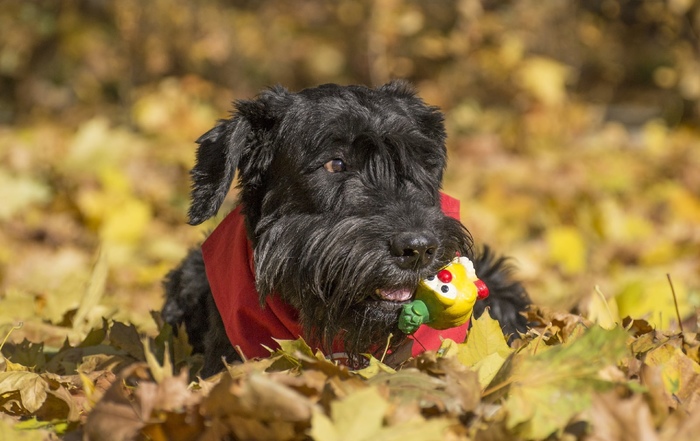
(446, 291)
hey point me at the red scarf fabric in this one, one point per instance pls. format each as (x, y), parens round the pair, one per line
(228, 260)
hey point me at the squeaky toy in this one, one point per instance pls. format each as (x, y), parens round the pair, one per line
(446, 299)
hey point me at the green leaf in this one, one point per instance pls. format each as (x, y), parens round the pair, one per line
(549, 388)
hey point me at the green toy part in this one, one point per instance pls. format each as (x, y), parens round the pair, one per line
(413, 315)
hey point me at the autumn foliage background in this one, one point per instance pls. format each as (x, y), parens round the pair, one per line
(573, 143)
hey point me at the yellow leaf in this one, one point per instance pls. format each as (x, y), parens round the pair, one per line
(680, 374)
(88, 388)
(685, 205)
(96, 146)
(127, 224)
(7, 432)
(322, 428)
(375, 367)
(602, 311)
(485, 338)
(448, 348)
(652, 300)
(619, 224)
(17, 305)
(17, 193)
(488, 367)
(545, 79)
(486, 348)
(114, 181)
(358, 417)
(92, 294)
(160, 373)
(567, 249)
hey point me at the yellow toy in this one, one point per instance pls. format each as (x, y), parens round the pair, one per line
(446, 299)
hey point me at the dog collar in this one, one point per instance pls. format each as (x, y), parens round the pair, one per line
(228, 261)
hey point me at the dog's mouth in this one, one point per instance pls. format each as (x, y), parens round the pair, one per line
(398, 295)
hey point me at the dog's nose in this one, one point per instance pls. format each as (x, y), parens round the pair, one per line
(413, 249)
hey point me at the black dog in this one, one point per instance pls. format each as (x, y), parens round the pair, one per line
(339, 218)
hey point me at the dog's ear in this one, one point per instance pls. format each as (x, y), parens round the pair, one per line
(223, 149)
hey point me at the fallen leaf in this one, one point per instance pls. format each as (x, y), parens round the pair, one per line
(613, 418)
(19, 192)
(485, 350)
(485, 338)
(602, 311)
(10, 433)
(375, 367)
(652, 300)
(544, 78)
(567, 249)
(257, 396)
(680, 374)
(31, 388)
(359, 416)
(548, 389)
(117, 416)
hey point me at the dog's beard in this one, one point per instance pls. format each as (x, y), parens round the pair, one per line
(340, 276)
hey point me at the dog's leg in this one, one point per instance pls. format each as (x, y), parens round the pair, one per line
(217, 346)
(186, 299)
(507, 298)
(189, 301)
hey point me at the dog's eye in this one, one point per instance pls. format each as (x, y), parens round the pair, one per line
(336, 165)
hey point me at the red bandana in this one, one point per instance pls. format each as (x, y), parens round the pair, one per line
(228, 259)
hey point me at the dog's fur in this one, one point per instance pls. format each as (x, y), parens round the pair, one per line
(340, 192)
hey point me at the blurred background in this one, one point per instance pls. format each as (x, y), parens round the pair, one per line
(573, 137)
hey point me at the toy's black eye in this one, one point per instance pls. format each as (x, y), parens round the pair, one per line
(431, 278)
(336, 165)
(444, 288)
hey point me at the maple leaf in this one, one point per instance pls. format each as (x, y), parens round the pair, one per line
(680, 374)
(30, 388)
(486, 348)
(360, 416)
(549, 388)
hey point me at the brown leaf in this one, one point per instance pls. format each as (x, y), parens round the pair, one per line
(256, 396)
(117, 416)
(182, 426)
(681, 426)
(613, 418)
(127, 339)
(32, 389)
(170, 395)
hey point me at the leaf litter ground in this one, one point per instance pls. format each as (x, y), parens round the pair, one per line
(566, 379)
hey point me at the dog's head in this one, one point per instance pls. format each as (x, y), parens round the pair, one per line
(340, 189)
